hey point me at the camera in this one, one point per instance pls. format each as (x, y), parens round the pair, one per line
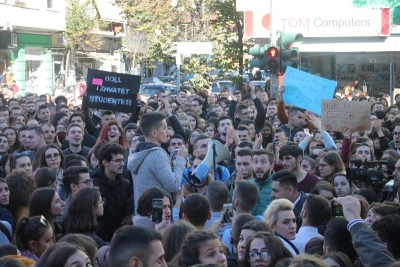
(369, 172)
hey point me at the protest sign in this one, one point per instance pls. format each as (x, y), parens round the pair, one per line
(111, 91)
(342, 115)
(305, 90)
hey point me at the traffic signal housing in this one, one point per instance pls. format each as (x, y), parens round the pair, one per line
(273, 58)
(289, 54)
(259, 57)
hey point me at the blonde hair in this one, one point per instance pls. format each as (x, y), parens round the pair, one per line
(271, 214)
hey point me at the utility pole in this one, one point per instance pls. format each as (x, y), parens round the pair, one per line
(272, 40)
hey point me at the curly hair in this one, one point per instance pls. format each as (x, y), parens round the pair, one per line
(21, 186)
(106, 128)
(190, 250)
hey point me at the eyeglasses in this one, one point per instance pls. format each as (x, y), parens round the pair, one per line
(396, 133)
(61, 128)
(88, 182)
(321, 166)
(194, 136)
(42, 221)
(252, 256)
(102, 201)
(119, 161)
(52, 157)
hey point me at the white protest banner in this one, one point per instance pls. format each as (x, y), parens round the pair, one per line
(342, 116)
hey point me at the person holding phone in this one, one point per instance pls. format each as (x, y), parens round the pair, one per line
(154, 209)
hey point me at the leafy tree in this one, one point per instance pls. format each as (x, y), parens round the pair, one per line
(81, 19)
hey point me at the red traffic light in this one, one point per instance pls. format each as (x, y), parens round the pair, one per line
(273, 52)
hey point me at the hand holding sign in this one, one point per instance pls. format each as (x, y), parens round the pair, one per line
(111, 91)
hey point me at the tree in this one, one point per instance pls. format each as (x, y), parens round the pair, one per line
(81, 19)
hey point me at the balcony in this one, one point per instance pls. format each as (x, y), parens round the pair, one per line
(33, 16)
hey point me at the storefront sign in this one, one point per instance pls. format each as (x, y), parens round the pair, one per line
(34, 53)
(111, 91)
(324, 23)
(342, 116)
(305, 90)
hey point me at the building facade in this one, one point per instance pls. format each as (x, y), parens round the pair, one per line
(345, 40)
(34, 26)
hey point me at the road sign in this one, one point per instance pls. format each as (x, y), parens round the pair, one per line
(194, 48)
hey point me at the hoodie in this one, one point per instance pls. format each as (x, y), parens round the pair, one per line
(150, 166)
(117, 194)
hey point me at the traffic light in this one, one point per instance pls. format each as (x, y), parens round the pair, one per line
(273, 60)
(289, 54)
(259, 60)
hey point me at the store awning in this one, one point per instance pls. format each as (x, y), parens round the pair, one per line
(109, 11)
(379, 44)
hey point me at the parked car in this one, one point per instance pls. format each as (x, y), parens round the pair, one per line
(148, 90)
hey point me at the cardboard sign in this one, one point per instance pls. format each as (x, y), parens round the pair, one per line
(111, 91)
(342, 115)
(306, 90)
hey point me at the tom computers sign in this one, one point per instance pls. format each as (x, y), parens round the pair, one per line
(111, 91)
(327, 22)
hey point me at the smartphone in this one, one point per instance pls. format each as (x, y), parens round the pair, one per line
(337, 210)
(157, 210)
(228, 212)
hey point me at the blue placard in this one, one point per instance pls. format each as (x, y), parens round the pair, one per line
(305, 90)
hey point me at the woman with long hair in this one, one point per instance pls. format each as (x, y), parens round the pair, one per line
(267, 133)
(33, 236)
(47, 202)
(145, 207)
(329, 164)
(5, 215)
(173, 238)
(249, 230)
(265, 249)
(85, 207)
(45, 177)
(113, 133)
(343, 185)
(12, 136)
(324, 189)
(68, 256)
(4, 144)
(51, 156)
(5, 165)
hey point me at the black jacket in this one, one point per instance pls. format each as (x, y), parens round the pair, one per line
(117, 194)
(88, 141)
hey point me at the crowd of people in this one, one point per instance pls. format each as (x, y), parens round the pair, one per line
(78, 186)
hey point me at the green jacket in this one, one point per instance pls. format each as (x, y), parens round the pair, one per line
(264, 195)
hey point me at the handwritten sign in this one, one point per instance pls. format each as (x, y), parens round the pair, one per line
(111, 91)
(342, 116)
(305, 90)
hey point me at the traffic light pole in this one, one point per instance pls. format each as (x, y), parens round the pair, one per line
(274, 74)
